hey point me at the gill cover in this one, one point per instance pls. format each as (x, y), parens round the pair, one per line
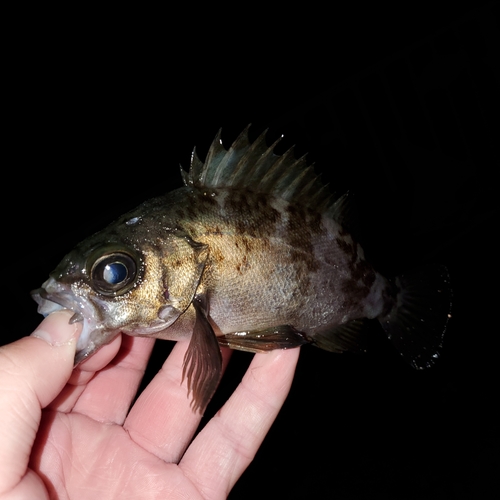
(183, 264)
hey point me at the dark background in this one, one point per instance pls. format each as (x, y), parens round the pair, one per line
(404, 115)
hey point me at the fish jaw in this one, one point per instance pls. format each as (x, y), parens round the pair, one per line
(56, 296)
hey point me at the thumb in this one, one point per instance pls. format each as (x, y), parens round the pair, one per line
(33, 371)
(48, 354)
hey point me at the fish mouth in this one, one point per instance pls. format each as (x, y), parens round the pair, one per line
(54, 296)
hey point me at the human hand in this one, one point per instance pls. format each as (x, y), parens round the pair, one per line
(69, 434)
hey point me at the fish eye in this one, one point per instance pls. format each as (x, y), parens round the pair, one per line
(112, 274)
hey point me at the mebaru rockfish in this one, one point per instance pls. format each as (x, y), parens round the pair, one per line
(252, 253)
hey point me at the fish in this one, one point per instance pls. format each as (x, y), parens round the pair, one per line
(253, 252)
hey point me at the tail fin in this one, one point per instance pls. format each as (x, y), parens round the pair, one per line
(417, 322)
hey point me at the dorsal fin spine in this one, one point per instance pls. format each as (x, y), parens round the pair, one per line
(255, 166)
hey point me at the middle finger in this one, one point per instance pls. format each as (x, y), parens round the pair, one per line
(162, 420)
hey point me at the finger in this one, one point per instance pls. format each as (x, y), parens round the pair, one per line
(102, 357)
(108, 395)
(162, 420)
(33, 371)
(82, 374)
(226, 446)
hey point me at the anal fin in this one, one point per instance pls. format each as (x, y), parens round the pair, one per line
(278, 337)
(345, 337)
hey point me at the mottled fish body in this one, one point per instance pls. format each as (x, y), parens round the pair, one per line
(252, 253)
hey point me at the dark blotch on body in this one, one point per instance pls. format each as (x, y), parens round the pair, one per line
(251, 214)
(300, 237)
(357, 286)
(348, 248)
(243, 265)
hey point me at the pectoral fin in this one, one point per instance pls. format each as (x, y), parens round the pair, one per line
(279, 337)
(203, 360)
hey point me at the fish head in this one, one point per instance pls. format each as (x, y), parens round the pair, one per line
(133, 285)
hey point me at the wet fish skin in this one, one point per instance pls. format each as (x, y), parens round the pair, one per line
(252, 253)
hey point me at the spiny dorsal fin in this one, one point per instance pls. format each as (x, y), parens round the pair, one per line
(255, 166)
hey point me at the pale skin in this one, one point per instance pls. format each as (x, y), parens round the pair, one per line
(71, 434)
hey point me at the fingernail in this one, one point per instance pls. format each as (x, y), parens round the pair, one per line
(56, 330)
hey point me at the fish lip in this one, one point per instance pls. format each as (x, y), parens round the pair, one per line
(41, 297)
(63, 298)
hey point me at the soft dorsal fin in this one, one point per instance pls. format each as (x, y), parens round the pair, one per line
(254, 166)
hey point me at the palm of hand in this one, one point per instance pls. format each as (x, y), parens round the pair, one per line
(91, 446)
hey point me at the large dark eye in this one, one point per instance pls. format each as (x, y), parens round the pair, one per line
(112, 274)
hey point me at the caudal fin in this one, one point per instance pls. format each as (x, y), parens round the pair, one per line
(417, 322)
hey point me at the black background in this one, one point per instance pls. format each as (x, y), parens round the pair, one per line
(404, 117)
